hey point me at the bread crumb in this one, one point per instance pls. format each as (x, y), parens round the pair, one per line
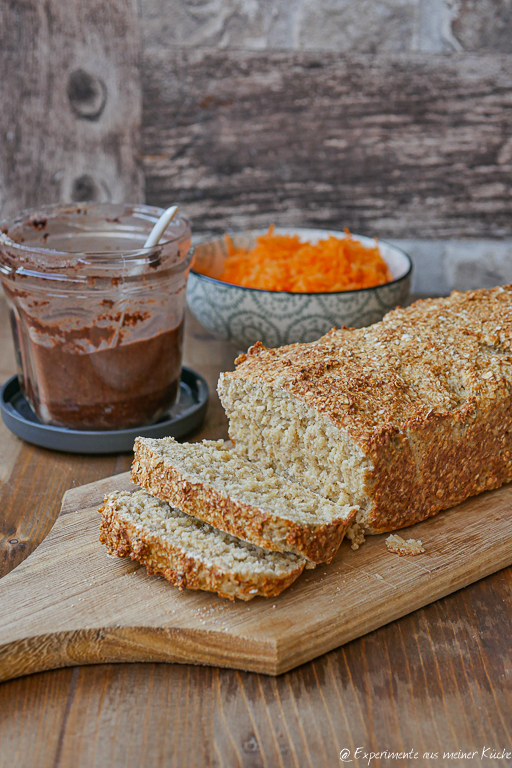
(400, 546)
(356, 535)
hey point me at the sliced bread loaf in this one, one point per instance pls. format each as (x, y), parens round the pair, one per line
(209, 481)
(404, 418)
(190, 553)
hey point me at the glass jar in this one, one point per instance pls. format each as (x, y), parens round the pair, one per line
(97, 319)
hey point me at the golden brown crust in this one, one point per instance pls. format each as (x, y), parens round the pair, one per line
(453, 459)
(123, 538)
(426, 394)
(318, 542)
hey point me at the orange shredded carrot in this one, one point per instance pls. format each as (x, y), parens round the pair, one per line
(283, 263)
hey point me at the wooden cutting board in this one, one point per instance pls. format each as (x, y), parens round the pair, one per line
(70, 603)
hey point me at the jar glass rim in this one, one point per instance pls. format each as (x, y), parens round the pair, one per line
(30, 214)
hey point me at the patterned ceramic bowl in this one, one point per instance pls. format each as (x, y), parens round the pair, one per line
(246, 315)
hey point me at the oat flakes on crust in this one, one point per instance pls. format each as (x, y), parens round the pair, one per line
(191, 554)
(422, 400)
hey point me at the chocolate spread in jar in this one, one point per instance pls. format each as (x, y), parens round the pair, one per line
(97, 318)
(125, 386)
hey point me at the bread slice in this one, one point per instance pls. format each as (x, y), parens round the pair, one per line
(209, 481)
(190, 553)
(404, 418)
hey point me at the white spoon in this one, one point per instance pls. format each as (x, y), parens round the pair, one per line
(153, 239)
(160, 227)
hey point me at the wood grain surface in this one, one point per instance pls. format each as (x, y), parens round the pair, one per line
(437, 679)
(366, 26)
(69, 603)
(71, 103)
(413, 145)
(399, 146)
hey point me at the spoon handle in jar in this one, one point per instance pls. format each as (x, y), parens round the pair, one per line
(160, 227)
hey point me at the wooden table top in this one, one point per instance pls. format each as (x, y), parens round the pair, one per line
(435, 681)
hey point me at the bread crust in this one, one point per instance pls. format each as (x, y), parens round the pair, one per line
(460, 455)
(123, 538)
(318, 542)
(425, 395)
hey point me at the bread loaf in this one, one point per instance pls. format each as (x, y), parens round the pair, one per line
(212, 483)
(190, 553)
(404, 418)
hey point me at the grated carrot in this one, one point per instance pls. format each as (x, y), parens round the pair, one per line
(283, 263)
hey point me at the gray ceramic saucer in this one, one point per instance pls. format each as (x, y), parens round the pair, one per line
(187, 414)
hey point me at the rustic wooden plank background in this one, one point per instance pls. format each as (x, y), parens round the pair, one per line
(345, 26)
(394, 145)
(70, 102)
(70, 92)
(406, 145)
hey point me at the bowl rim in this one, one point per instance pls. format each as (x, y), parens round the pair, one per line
(300, 293)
